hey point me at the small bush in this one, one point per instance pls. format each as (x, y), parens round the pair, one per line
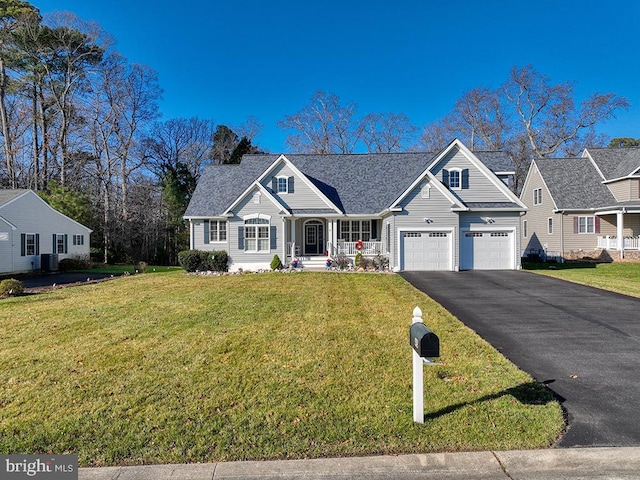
(73, 263)
(141, 267)
(11, 287)
(200, 260)
(276, 264)
(341, 261)
(360, 261)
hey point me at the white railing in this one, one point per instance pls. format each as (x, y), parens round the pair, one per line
(611, 243)
(352, 248)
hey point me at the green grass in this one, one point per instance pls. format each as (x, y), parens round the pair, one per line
(618, 277)
(173, 368)
(120, 269)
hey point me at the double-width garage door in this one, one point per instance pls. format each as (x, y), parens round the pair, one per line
(487, 250)
(426, 250)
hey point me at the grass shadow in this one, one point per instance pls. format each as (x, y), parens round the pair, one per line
(530, 393)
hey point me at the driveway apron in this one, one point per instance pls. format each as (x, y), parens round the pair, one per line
(582, 342)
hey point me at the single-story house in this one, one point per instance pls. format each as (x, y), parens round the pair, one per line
(422, 211)
(587, 206)
(33, 235)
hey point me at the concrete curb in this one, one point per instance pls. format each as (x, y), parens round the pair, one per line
(578, 463)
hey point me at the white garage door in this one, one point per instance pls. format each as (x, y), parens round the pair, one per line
(426, 251)
(487, 251)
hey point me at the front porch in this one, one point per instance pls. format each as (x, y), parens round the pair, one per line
(610, 242)
(310, 239)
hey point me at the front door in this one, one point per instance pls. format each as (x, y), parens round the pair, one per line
(313, 237)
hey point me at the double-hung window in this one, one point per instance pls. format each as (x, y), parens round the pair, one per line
(217, 231)
(586, 225)
(29, 244)
(454, 179)
(59, 243)
(537, 196)
(256, 235)
(78, 239)
(354, 230)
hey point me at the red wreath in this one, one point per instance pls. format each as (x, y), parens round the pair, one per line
(359, 245)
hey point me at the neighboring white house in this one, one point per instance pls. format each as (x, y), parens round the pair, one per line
(423, 211)
(30, 228)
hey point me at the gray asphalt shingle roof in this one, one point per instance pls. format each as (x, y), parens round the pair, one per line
(616, 162)
(355, 183)
(6, 195)
(574, 183)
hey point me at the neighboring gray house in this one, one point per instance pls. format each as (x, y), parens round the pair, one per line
(580, 207)
(30, 228)
(447, 211)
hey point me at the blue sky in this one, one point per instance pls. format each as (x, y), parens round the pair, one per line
(227, 61)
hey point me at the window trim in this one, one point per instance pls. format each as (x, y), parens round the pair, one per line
(284, 179)
(459, 175)
(525, 227)
(218, 231)
(78, 239)
(360, 233)
(586, 229)
(550, 225)
(537, 196)
(60, 245)
(258, 225)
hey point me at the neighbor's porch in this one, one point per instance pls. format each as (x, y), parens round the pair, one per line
(627, 227)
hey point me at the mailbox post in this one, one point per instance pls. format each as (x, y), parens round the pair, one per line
(426, 346)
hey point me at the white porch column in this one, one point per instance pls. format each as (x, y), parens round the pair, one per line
(293, 233)
(284, 240)
(620, 232)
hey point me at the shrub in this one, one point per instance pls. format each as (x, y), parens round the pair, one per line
(200, 260)
(360, 261)
(11, 287)
(276, 264)
(141, 267)
(341, 261)
(73, 263)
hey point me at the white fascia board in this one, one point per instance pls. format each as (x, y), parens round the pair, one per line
(586, 154)
(433, 181)
(244, 194)
(283, 159)
(628, 177)
(11, 225)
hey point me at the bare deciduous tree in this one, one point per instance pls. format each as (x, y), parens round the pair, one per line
(386, 132)
(323, 126)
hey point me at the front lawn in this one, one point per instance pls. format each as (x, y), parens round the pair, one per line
(172, 368)
(618, 277)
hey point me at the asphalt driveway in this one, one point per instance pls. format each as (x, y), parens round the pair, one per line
(582, 342)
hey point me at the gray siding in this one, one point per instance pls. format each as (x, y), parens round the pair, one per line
(481, 188)
(303, 197)
(437, 208)
(238, 258)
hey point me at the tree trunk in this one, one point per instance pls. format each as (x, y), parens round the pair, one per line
(8, 153)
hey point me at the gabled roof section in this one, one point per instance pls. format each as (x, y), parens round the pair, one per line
(615, 163)
(574, 183)
(220, 185)
(510, 197)
(353, 184)
(282, 159)
(357, 183)
(428, 176)
(8, 195)
(263, 191)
